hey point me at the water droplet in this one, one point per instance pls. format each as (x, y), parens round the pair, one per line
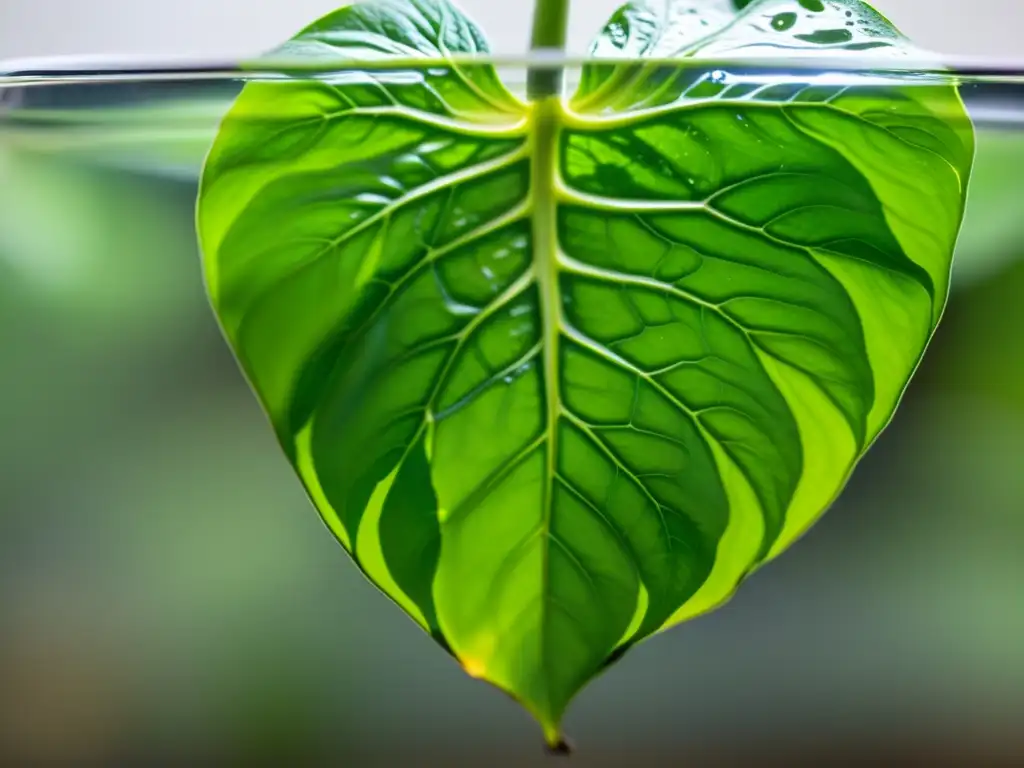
(523, 369)
(438, 72)
(408, 162)
(433, 146)
(372, 199)
(459, 310)
(783, 21)
(718, 76)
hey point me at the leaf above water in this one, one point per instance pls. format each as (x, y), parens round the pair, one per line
(561, 374)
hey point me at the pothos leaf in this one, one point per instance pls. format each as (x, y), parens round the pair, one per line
(560, 375)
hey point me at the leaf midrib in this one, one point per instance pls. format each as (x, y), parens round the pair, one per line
(546, 121)
(543, 125)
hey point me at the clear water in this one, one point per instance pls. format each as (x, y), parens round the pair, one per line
(155, 120)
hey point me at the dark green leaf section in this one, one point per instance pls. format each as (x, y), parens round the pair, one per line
(361, 223)
(410, 533)
(561, 375)
(786, 209)
(373, 400)
(753, 198)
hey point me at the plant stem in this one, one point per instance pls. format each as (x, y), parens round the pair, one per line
(550, 24)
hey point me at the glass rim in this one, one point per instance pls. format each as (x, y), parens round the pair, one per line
(115, 68)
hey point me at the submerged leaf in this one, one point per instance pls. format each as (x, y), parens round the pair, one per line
(560, 375)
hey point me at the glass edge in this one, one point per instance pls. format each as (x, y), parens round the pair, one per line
(114, 67)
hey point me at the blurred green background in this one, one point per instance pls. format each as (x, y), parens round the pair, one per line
(168, 595)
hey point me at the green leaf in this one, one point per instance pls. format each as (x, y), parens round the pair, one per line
(560, 375)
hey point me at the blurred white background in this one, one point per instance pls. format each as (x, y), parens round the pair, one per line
(244, 27)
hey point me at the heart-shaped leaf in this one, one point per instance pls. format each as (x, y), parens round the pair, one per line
(561, 374)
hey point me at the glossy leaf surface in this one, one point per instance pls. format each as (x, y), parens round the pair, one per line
(560, 375)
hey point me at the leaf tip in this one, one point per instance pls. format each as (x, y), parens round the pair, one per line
(474, 668)
(557, 745)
